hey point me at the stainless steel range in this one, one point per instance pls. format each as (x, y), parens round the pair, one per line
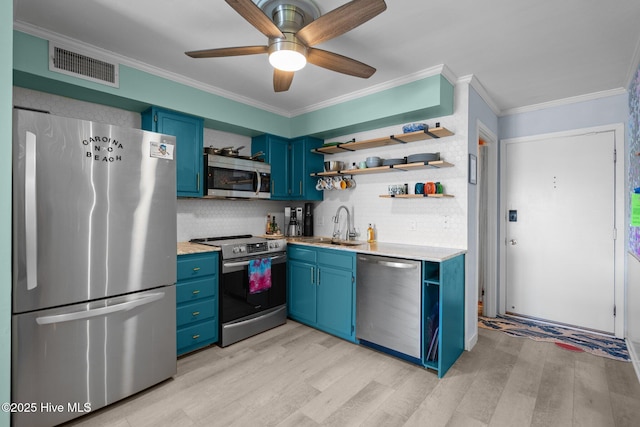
(252, 290)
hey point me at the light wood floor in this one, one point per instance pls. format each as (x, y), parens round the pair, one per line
(296, 376)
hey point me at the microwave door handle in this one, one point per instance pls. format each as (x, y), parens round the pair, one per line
(31, 211)
(258, 181)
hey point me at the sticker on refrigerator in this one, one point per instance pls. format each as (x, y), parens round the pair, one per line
(161, 150)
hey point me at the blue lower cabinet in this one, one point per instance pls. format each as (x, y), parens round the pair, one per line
(321, 289)
(197, 301)
(443, 313)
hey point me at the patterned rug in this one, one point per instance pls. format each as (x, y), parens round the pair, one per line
(569, 339)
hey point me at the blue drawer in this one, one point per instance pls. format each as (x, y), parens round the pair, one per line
(195, 290)
(337, 258)
(193, 312)
(197, 265)
(193, 337)
(301, 253)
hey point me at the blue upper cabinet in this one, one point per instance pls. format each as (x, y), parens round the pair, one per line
(302, 163)
(292, 163)
(276, 153)
(188, 131)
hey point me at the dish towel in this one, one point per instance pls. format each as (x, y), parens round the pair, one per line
(259, 275)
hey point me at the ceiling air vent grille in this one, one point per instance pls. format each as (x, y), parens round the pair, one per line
(83, 66)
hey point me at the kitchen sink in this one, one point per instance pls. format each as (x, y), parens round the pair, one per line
(327, 241)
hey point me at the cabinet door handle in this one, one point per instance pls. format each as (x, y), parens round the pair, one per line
(195, 313)
(313, 276)
(196, 268)
(318, 277)
(196, 292)
(300, 187)
(198, 181)
(195, 337)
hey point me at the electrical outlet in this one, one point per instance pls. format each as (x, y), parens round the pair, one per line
(413, 226)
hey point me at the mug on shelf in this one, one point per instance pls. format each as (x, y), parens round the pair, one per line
(419, 188)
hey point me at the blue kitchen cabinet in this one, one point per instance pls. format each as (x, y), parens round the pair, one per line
(321, 289)
(276, 153)
(301, 298)
(188, 131)
(292, 163)
(197, 301)
(302, 163)
(443, 308)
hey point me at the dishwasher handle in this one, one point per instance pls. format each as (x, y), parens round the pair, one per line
(389, 263)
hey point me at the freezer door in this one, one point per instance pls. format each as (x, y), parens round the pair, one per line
(94, 211)
(72, 360)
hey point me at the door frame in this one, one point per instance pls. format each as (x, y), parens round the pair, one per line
(490, 298)
(619, 212)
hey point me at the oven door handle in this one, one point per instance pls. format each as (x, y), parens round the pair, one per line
(243, 263)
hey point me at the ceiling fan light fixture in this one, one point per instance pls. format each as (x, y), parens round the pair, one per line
(287, 60)
(287, 54)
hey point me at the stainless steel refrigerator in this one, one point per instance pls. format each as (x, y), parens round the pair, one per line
(93, 266)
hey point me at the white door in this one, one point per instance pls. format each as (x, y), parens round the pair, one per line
(560, 200)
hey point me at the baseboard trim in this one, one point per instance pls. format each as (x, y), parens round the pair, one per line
(635, 357)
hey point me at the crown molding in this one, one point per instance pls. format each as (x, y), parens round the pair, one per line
(112, 56)
(565, 101)
(473, 81)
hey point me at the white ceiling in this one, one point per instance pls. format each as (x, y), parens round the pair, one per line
(522, 52)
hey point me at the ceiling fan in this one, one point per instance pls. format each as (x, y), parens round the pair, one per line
(294, 27)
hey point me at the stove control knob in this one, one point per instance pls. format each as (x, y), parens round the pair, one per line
(242, 249)
(236, 250)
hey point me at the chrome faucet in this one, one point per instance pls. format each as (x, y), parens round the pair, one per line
(350, 234)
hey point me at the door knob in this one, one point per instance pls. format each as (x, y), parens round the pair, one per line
(513, 242)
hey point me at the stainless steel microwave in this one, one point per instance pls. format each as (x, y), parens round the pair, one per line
(235, 177)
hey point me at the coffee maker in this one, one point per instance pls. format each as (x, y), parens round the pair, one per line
(307, 228)
(293, 228)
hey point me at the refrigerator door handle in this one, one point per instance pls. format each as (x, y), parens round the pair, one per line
(31, 212)
(102, 311)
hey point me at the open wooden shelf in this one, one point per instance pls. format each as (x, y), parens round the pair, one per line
(403, 167)
(413, 196)
(403, 138)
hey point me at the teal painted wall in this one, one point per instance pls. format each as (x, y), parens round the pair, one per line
(6, 89)
(426, 98)
(429, 97)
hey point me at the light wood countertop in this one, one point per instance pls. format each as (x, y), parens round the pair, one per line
(186, 248)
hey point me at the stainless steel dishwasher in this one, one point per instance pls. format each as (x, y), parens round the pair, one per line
(388, 304)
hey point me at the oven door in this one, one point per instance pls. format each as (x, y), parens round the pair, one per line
(242, 183)
(236, 299)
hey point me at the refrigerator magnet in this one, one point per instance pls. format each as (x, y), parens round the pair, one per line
(161, 150)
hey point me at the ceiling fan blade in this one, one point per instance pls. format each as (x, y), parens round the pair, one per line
(228, 51)
(340, 20)
(256, 17)
(341, 64)
(282, 80)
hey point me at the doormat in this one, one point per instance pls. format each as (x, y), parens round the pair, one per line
(599, 345)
